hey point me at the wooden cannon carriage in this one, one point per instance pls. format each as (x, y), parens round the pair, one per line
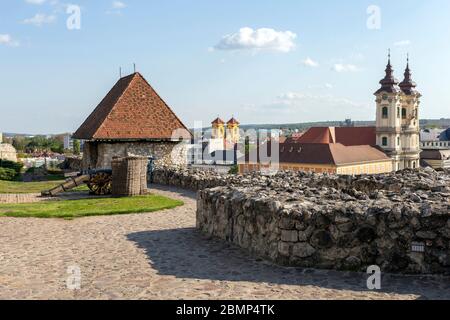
(100, 181)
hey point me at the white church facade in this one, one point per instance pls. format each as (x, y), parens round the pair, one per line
(397, 120)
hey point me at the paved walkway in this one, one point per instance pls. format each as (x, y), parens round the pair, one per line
(36, 197)
(161, 256)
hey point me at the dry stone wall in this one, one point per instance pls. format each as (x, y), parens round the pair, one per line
(398, 221)
(100, 154)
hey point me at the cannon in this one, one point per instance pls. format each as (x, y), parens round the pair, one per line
(99, 181)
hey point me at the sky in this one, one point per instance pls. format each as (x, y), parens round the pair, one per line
(261, 61)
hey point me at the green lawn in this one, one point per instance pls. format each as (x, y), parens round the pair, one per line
(88, 207)
(27, 187)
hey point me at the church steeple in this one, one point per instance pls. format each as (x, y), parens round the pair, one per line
(408, 86)
(389, 84)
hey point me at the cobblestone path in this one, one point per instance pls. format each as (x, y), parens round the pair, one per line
(161, 256)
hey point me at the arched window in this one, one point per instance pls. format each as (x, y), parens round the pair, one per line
(404, 113)
(384, 141)
(385, 112)
(398, 141)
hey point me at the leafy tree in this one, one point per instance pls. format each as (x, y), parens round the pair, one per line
(76, 147)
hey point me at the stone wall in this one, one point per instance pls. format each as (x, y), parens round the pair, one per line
(338, 222)
(72, 163)
(100, 154)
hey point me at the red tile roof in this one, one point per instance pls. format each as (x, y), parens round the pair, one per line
(132, 110)
(326, 154)
(348, 136)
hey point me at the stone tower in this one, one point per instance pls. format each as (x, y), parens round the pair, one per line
(397, 122)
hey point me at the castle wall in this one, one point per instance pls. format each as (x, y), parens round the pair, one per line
(98, 155)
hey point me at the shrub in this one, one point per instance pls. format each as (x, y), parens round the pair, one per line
(234, 170)
(7, 174)
(16, 166)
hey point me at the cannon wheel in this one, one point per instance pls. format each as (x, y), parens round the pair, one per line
(100, 183)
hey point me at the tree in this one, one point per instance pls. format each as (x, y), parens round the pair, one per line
(76, 147)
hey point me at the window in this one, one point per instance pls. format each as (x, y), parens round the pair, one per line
(385, 112)
(384, 141)
(404, 113)
(398, 141)
(398, 112)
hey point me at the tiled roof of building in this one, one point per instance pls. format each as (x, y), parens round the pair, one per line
(132, 110)
(435, 135)
(348, 136)
(333, 153)
(324, 154)
(435, 155)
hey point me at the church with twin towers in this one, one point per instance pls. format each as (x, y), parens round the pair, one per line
(397, 120)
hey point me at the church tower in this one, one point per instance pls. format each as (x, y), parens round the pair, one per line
(397, 121)
(218, 129)
(233, 134)
(410, 139)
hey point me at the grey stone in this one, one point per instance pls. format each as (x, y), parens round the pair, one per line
(289, 235)
(303, 250)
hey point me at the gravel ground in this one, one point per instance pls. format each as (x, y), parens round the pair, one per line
(161, 256)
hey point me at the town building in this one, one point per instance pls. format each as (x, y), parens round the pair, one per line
(393, 144)
(218, 146)
(436, 158)
(435, 144)
(342, 150)
(8, 152)
(435, 139)
(133, 120)
(69, 140)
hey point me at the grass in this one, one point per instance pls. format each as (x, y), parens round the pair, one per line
(27, 187)
(88, 207)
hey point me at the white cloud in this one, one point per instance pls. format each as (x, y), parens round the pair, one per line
(118, 5)
(259, 39)
(310, 63)
(40, 19)
(7, 40)
(35, 1)
(402, 43)
(341, 67)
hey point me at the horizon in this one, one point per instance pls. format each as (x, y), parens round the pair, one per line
(277, 63)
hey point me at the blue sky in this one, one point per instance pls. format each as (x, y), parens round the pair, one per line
(262, 61)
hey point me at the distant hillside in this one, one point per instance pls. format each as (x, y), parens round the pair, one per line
(425, 123)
